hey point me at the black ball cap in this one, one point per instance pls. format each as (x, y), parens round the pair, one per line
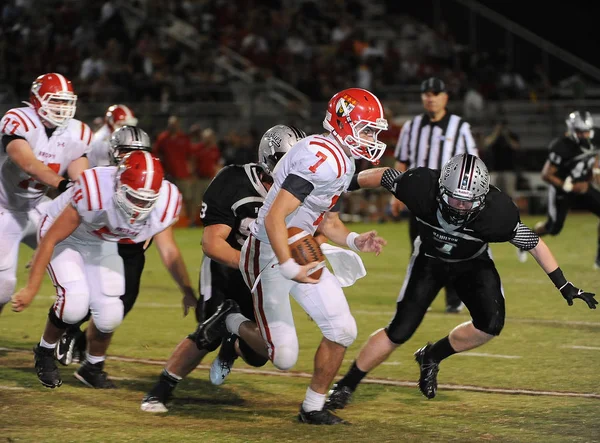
(433, 84)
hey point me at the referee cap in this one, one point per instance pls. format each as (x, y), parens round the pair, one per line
(433, 84)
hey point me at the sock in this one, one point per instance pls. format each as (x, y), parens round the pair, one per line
(233, 322)
(93, 359)
(45, 344)
(441, 349)
(353, 377)
(167, 382)
(313, 401)
(170, 378)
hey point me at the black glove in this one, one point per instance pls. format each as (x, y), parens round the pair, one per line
(63, 185)
(569, 292)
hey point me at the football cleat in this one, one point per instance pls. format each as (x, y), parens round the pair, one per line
(322, 417)
(66, 348)
(93, 375)
(522, 255)
(450, 309)
(45, 368)
(153, 404)
(221, 366)
(429, 370)
(339, 397)
(214, 328)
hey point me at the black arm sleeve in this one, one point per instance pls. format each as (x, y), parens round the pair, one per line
(297, 186)
(388, 179)
(525, 238)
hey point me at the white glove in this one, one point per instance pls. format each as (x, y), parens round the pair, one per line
(347, 265)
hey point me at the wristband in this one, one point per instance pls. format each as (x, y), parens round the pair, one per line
(350, 241)
(63, 185)
(289, 268)
(558, 278)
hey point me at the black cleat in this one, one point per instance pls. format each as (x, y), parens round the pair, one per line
(322, 417)
(153, 404)
(339, 397)
(429, 370)
(66, 348)
(94, 376)
(214, 328)
(46, 369)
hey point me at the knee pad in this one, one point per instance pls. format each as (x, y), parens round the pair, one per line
(284, 357)
(398, 334)
(108, 320)
(7, 287)
(250, 356)
(343, 331)
(70, 313)
(494, 327)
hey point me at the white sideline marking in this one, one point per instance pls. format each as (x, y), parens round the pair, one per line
(11, 388)
(483, 354)
(588, 348)
(373, 381)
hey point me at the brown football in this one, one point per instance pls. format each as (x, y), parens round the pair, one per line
(305, 249)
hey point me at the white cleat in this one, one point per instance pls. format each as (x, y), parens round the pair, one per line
(153, 405)
(219, 370)
(522, 255)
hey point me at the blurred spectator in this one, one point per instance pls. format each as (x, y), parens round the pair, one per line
(174, 148)
(207, 157)
(474, 104)
(93, 65)
(500, 153)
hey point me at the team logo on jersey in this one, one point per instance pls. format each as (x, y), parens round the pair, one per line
(345, 105)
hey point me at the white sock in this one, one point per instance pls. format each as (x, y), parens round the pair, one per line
(93, 359)
(313, 401)
(233, 322)
(45, 344)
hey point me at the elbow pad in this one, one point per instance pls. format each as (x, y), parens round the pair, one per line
(525, 238)
(390, 178)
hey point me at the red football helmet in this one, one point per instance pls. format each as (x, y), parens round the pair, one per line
(53, 98)
(137, 185)
(118, 116)
(355, 117)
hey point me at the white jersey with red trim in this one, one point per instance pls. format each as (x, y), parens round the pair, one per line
(321, 161)
(100, 148)
(18, 191)
(101, 219)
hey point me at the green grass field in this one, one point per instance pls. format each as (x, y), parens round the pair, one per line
(545, 346)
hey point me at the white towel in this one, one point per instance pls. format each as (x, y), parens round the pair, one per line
(346, 264)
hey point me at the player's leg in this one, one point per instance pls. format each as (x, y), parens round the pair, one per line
(106, 276)
(481, 290)
(424, 278)
(326, 305)
(12, 226)
(591, 201)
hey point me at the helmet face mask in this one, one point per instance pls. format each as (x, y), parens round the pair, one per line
(127, 139)
(355, 118)
(275, 143)
(464, 183)
(137, 185)
(53, 98)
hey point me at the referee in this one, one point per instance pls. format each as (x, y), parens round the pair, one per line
(430, 140)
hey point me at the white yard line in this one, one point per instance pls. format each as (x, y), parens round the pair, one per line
(374, 381)
(587, 348)
(483, 354)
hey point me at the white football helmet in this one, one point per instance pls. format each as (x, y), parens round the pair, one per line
(275, 143)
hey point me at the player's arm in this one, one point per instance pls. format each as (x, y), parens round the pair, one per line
(22, 155)
(335, 230)
(215, 246)
(525, 238)
(170, 254)
(63, 226)
(549, 176)
(77, 166)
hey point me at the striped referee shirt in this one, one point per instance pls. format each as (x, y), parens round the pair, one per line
(431, 144)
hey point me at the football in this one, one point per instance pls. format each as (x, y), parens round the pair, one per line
(305, 249)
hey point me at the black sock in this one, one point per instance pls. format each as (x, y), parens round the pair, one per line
(353, 377)
(440, 350)
(165, 386)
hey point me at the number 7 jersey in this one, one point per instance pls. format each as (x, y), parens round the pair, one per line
(317, 171)
(18, 191)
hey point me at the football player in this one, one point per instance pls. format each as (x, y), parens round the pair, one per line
(459, 214)
(40, 143)
(230, 203)
(123, 140)
(116, 117)
(78, 245)
(569, 172)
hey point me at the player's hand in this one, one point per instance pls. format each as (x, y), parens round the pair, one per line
(570, 292)
(304, 276)
(22, 299)
(580, 187)
(370, 242)
(189, 300)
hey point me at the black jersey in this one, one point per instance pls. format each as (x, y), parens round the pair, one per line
(573, 158)
(233, 198)
(497, 222)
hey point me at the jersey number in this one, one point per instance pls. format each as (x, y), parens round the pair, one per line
(203, 210)
(39, 186)
(322, 158)
(319, 219)
(15, 124)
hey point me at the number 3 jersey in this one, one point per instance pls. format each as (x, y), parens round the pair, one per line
(56, 148)
(101, 219)
(497, 222)
(234, 198)
(575, 159)
(316, 171)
